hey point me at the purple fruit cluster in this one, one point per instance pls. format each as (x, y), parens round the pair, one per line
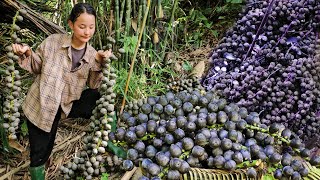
(267, 63)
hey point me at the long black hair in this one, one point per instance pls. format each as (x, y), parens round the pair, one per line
(80, 8)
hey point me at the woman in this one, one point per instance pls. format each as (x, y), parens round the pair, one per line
(64, 65)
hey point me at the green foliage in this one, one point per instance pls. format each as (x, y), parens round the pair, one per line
(267, 177)
(186, 66)
(148, 80)
(104, 176)
(119, 151)
(203, 22)
(24, 128)
(134, 85)
(129, 43)
(234, 1)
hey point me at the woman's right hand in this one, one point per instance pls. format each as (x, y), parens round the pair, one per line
(20, 49)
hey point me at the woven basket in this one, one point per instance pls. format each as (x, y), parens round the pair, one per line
(215, 174)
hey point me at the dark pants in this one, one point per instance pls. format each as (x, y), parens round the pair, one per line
(41, 142)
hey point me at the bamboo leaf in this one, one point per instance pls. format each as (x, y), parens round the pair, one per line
(198, 70)
(119, 151)
(16, 145)
(161, 14)
(236, 1)
(134, 24)
(155, 37)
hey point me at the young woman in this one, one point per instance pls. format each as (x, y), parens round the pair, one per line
(64, 65)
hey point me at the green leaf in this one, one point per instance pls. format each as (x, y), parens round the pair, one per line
(215, 33)
(236, 1)
(24, 128)
(104, 176)
(111, 147)
(271, 169)
(114, 123)
(129, 43)
(186, 66)
(119, 151)
(267, 177)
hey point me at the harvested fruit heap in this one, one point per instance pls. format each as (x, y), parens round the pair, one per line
(11, 104)
(174, 132)
(184, 84)
(267, 64)
(173, 85)
(91, 160)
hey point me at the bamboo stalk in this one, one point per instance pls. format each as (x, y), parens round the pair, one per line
(134, 57)
(117, 28)
(144, 36)
(117, 22)
(139, 16)
(127, 28)
(151, 28)
(167, 32)
(111, 19)
(98, 29)
(121, 12)
(128, 18)
(158, 8)
(134, 9)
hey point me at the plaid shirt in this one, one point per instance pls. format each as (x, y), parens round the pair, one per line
(55, 84)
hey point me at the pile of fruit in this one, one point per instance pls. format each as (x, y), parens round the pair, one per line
(267, 64)
(174, 132)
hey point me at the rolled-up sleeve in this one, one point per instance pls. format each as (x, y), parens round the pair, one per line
(95, 76)
(33, 62)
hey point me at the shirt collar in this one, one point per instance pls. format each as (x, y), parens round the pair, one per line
(67, 44)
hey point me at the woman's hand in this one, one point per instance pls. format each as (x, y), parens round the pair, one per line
(101, 55)
(20, 49)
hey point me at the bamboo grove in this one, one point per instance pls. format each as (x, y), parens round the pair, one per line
(170, 26)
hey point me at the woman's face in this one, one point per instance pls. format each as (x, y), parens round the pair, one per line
(83, 28)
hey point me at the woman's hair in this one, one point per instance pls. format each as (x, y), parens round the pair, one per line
(80, 8)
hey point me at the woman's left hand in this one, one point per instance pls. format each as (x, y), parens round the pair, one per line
(101, 55)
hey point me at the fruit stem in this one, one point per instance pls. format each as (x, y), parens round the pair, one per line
(215, 126)
(164, 171)
(147, 137)
(277, 136)
(247, 164)
(184, 154)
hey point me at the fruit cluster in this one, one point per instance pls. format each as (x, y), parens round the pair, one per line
(91, 160)
(267, 64)
(12, 104)
(174, 132)
(184, 84)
